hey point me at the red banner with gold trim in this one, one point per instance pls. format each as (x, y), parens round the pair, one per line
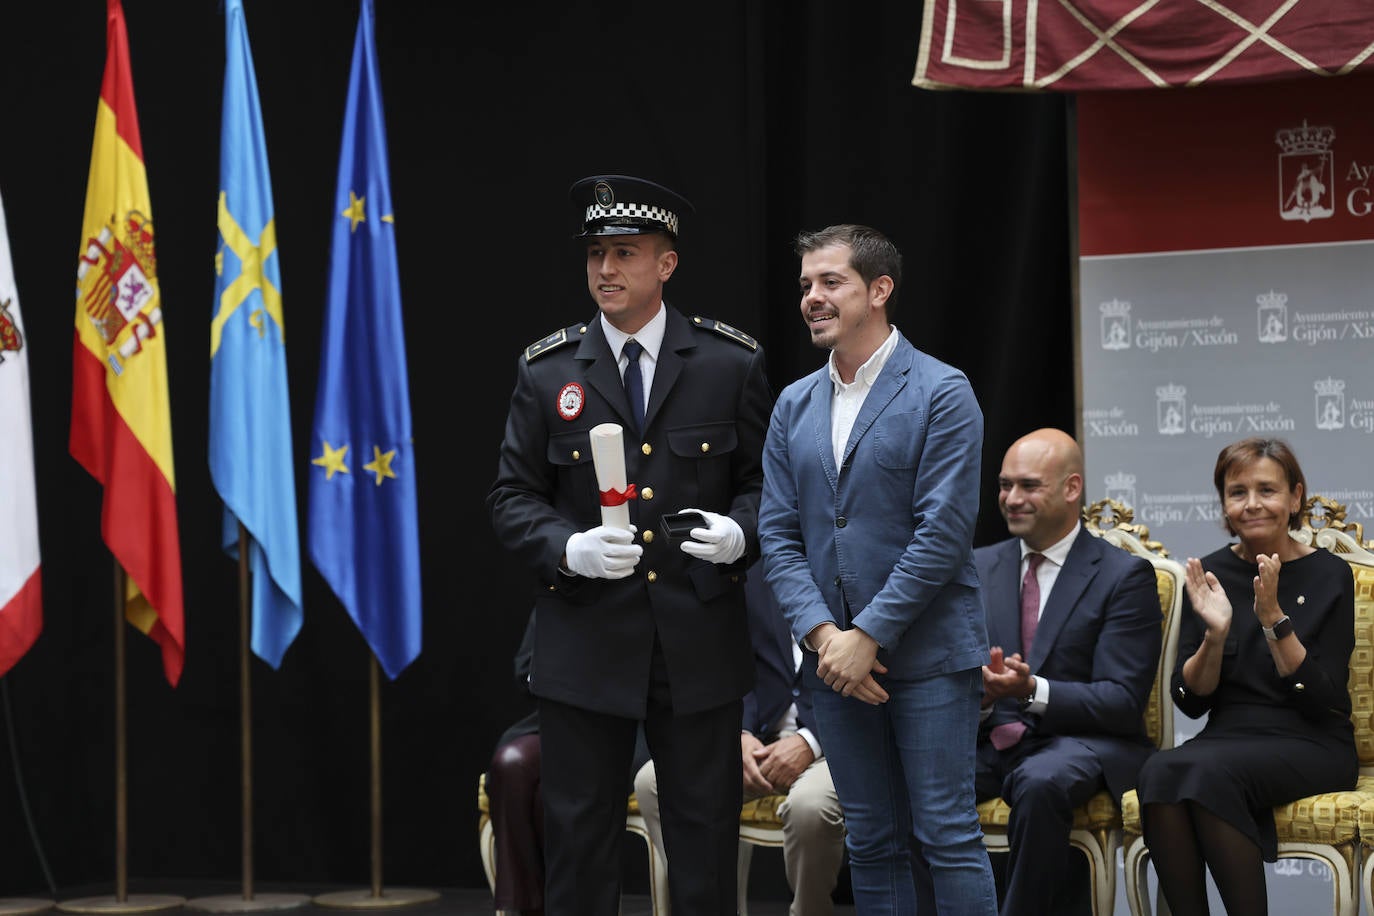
(1075, 45)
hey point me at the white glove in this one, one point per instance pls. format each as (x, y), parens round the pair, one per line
(602, 553)
(722, 541)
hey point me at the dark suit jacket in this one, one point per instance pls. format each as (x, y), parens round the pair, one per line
(705, 422)
(778, 683)
(1098, 643)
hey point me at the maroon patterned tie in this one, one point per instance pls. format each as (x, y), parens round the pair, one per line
(1008, 733)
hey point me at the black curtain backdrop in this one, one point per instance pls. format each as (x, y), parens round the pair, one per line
(772, 118)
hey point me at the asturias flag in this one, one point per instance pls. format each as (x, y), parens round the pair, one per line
(250, 410)
(364, 534)
(21, 587)
(121, 414)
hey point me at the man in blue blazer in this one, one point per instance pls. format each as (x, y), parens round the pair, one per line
(866, 525)
(1062, 719)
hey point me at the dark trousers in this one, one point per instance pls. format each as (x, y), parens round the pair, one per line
(1043, 779)
(517, 820)
(587, 766)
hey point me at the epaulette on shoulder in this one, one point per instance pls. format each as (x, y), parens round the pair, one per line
(720, 327)
(554, 341)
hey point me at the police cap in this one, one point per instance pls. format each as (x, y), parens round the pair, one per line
(623, 205)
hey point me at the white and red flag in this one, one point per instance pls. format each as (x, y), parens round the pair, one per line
(21, 588)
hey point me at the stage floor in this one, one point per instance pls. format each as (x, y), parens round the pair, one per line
(451, 902)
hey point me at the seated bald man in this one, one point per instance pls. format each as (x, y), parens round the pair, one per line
(1074, 629)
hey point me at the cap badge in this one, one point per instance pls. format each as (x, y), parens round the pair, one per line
(571, 400)
(603, 194)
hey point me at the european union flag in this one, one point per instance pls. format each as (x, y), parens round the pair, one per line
(364, 534)
(250, 411)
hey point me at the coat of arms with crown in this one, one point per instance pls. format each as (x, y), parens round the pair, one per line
(11, 341)
(115, 282)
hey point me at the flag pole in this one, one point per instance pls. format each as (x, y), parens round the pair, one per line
(23, 605)
(121, 746)
(247, 901)
(121, 902)
(374, 692)
(245, 713)
(377, 897)
(381, 555)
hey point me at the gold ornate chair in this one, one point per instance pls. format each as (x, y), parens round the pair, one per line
(1327, 827)
(1097, 825)
(634, 823)
(759, 825)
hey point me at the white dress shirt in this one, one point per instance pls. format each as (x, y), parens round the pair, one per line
(848, 398)
(650, 337)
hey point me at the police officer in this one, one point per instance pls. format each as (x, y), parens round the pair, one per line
(635, 624)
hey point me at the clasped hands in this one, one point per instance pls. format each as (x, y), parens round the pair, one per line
(605, 552)
(771, 768)
(848, 661)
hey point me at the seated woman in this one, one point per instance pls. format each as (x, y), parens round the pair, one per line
(1266, 657)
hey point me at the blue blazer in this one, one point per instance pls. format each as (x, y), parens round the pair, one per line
(1098, 643)
(883, 541)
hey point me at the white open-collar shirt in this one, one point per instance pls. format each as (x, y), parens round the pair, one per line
(847, 398)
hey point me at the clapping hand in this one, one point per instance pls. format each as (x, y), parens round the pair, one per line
(1267, 589)
(1209, 599)
(1004, 676)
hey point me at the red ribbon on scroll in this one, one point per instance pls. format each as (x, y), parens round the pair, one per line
(619, 497)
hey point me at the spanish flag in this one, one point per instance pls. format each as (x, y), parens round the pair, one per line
(121, 415)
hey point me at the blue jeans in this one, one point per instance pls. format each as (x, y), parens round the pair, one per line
(904, 774)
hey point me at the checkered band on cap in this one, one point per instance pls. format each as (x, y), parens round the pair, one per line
(667, 218)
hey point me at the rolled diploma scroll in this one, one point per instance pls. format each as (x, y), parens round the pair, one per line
(608, 458)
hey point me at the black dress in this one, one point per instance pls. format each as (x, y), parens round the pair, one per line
(1268, 739)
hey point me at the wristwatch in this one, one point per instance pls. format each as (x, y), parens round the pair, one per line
(1026, 700)
(1281, 628)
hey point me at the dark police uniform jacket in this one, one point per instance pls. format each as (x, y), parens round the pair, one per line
(705, 422)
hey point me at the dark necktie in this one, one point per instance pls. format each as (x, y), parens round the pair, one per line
(1005, 735)
(634, 383)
